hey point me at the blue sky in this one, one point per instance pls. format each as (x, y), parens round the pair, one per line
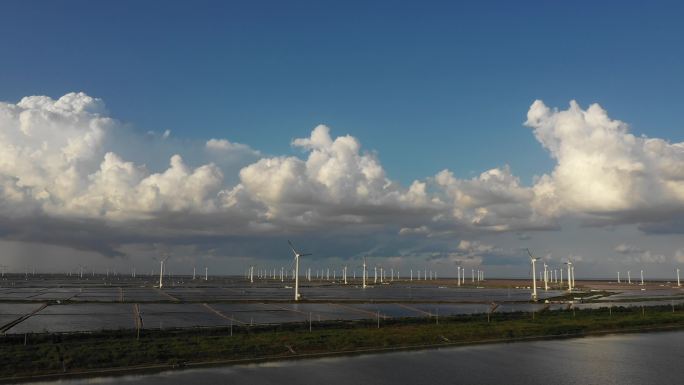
(427, 85)
(424, 86)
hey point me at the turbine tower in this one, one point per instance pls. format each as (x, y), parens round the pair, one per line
(161, 271)
(365, 274)
(571, 279)
(534, 277)
(546, 277)
(296, 274)
(573, 275)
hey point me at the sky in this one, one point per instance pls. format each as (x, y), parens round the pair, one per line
(422, 134)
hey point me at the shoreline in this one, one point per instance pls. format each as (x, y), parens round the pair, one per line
(546, 331)
(158, 368)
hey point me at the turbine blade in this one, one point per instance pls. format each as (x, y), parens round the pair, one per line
(292, 247)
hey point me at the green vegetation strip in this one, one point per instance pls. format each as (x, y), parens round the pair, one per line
(22, 356)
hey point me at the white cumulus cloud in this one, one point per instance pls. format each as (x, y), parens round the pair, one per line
(602, 169)
(56, 158)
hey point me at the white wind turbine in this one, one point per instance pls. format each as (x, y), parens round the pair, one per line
(365, 274)
(573, 275)
(546, 277)
(296, 257)
(534, 275)
(571, 278)
(161, 270)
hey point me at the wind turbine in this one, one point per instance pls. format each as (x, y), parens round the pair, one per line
(365, 274)
(573, 275)
(678, 284)
(571, 280)
(546, 277)
(534, 277)
(161, 270)
(296, 257)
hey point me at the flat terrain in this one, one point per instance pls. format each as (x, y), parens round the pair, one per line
(59, 304)
(54, 324)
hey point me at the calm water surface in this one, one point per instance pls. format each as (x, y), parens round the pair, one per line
(655, 358)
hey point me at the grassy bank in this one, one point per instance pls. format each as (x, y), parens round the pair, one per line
(57, 354)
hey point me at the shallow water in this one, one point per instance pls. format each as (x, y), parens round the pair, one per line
(653, 358)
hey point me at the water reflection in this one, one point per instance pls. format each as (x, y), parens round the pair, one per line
(652, 358)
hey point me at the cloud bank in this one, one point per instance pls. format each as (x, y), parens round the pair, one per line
(68, 165)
